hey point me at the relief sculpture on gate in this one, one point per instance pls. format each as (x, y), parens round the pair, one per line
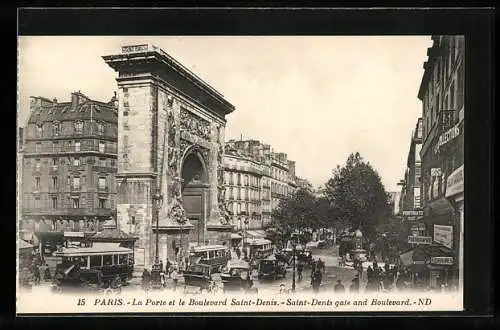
(225, 217)
(175, 210)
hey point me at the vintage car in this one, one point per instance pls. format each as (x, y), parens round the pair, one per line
(200, 276)
(215, 256)
(70, 279)
(237, 276)
(271, 268)
(303, 256)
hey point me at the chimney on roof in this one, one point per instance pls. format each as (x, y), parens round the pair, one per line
(77, 98)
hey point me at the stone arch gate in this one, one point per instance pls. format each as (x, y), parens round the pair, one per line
(170, 139)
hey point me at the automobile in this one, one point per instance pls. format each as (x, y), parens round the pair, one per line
(200, 276)
(237, 276)
(271, 268)
(302, 255)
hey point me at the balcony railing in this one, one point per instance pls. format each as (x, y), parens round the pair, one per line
(72, 149)
(61, 212)
(446, 119)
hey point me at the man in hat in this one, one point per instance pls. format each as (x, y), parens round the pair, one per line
(339, 287)
(354, 288)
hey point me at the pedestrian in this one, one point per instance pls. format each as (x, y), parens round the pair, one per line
(318, 277)
(360, 270)
(339, 287)
(168, 268)
(146, 277)
(300, 268)
(238, 252)
(321, 265)
(174, 277)
(36, 275)
(47, 274)
(354, 288)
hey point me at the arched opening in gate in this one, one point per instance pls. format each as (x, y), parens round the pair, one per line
(194, 195)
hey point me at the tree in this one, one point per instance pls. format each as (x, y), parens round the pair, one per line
(294, 212)
(358, 196)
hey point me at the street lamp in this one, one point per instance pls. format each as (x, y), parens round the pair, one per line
(182, 221)
(245, 224)
(157, 204)
(294, 246)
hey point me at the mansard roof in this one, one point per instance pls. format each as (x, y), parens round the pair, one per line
(48, 111)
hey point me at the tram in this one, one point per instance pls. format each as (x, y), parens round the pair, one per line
(93, 266)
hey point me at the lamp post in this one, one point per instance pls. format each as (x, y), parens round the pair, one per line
(245, 224)
(294, 246)
(182, 221)
(157, 204)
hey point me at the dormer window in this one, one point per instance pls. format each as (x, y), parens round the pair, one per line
(56, 126)
(79, 127)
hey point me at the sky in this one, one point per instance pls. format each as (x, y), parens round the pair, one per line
(316, 98)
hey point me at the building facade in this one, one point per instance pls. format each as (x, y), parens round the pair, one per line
(170, 154)
(243, 181)
(442, 95)
(270, 177)
(394, 201)
(410, 191)
(69, 165)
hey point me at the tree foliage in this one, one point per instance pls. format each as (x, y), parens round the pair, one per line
(357, 195)
(294, 212)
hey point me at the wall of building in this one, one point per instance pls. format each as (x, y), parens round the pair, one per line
(271, 175)
(69, 162)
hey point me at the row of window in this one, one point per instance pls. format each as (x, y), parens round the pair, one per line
(279, 174)
(279, 189)
(231, 178)
(243, 193)
(249, 208)
(75, 182)
(103, 203)
(76, 161)
(55, 128)
(75, 146)
(453, 96)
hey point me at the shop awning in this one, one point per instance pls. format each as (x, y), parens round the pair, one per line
(24, 245)
(236, 236)
(422, 254)
(256, 234)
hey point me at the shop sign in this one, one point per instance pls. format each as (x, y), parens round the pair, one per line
(74, 234)
(413, 213)
(446, 137)
(420, 240)
(442, 260)
(443, 235)
(455, 182)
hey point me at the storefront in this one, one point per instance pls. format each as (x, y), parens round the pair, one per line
(430, 265)
(25, 254)
(455, 194)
